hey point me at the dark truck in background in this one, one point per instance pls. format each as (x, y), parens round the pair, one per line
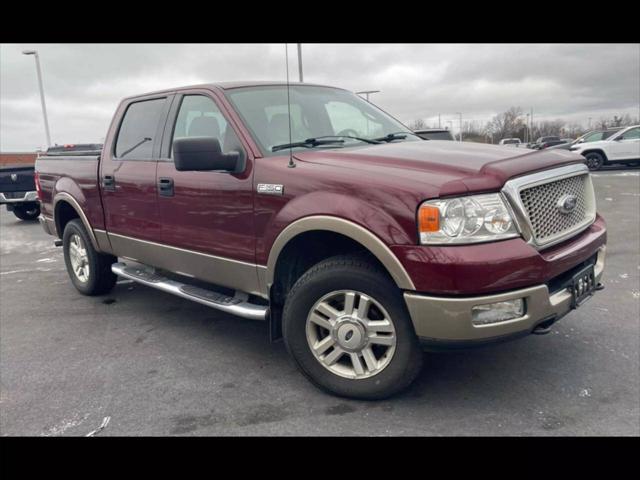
(357, 241)
(18, 191)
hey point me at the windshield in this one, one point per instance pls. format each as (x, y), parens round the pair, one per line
(316, 112)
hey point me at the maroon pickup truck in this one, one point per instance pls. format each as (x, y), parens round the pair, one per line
(314, 210)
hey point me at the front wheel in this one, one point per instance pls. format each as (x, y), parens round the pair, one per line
(594, 160)
(28, 211)
(89, 270)
(347, 328)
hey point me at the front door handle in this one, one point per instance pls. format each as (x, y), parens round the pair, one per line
(165, 186)
(109, 182)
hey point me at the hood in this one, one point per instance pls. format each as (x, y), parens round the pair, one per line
(450, 167)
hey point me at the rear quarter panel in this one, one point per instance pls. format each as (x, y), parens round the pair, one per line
(77, 176)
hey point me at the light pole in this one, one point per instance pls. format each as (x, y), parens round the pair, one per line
(531, 126)
(527, 131)
(300, 61)
(367, 92)
(460, 113)
(44, 106)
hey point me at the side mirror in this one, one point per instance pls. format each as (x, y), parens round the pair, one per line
(203, 154)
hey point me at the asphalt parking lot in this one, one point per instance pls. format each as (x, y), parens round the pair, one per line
(156, 364)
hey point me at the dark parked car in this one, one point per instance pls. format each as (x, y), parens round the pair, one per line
(358, 242)
(546, 142)
(434, 134)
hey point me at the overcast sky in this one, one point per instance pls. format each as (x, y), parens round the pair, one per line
(83, 83)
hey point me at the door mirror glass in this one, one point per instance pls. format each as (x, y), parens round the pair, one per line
(203, 154)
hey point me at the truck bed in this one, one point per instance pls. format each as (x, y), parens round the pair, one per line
(75, 174)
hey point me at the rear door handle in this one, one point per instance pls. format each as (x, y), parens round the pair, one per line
(109, 182)
(165, 186)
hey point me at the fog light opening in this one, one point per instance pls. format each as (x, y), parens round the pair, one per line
(497, 312)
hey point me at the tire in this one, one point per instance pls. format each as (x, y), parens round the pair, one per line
(594, 160)
(27, 211)
(96, 276)
(394, 367)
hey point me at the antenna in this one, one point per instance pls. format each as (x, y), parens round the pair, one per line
(286, 52)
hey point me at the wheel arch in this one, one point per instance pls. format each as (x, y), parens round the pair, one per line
(595, 150)
(65, 209)
(341, 228)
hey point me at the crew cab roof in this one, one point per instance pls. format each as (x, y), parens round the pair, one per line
(232, 85)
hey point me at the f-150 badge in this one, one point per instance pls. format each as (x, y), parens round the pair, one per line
(270, 189)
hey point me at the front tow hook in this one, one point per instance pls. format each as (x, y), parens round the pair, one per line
(544, 327)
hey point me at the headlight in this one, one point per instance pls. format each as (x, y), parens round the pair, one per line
(472, 219)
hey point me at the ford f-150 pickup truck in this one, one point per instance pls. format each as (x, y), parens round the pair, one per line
(312, 209)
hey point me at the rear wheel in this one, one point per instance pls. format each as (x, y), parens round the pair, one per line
(347, 328)
(89, 270)
(28, 211)
(594, 160)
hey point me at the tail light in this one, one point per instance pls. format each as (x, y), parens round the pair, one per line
(36, 177)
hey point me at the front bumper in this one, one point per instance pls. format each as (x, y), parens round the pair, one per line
(25, 197)
(442, 320)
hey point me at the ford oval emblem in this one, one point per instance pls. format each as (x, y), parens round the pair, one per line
(14, 177)
(567, 203)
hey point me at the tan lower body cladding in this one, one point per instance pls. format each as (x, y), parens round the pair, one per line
(209, 268)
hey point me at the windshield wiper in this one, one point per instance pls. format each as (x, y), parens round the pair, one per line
(366, 140)
(308, 143)
(394, 136)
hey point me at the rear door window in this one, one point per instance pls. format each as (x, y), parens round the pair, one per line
(138, 130)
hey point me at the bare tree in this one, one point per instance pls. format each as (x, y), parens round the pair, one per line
(474, 131)
(506, 124)
(547, 128)
(602, 124)
(574, 130)
(623, 120)
(418, 124)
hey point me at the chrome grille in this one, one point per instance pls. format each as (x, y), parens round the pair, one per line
(546, 219)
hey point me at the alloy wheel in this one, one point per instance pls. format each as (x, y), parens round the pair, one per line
(351, 334)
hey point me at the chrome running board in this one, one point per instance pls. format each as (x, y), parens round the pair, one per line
(236, 305)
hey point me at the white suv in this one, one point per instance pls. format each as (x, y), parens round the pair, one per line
(622, 147)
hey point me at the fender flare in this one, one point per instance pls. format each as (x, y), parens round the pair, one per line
(63, 196)
(595, 150)
(344, 227)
